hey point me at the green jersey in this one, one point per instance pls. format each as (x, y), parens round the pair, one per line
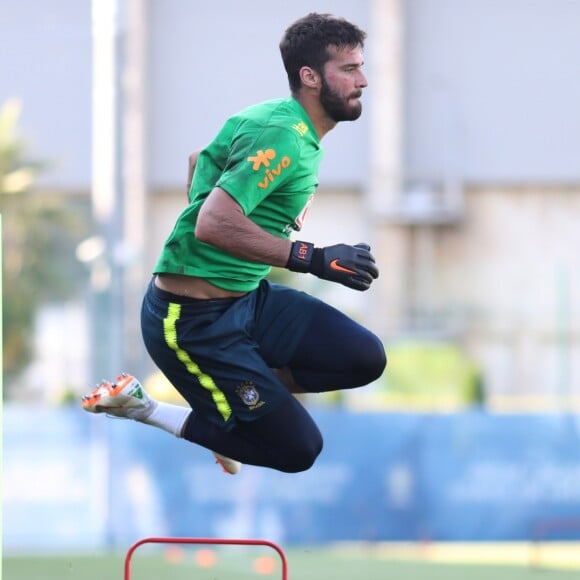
(266, 157)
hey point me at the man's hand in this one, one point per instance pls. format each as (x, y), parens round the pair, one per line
(352, 266)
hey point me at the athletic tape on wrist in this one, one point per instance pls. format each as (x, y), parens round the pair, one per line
(300, 257)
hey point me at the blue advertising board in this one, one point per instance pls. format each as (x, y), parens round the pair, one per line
(71, 479)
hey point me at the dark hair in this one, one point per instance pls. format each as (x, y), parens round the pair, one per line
(306, 41)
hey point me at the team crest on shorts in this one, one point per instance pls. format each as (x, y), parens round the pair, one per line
(249, 394)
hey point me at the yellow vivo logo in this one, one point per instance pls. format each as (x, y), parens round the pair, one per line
(266, 159)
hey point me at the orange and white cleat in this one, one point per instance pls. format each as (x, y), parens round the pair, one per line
(127, 398)
(230, 466)
(123, 398)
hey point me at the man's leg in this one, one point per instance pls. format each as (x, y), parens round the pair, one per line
(127, 399)
(336, 353)
(313, 346)
(286, 439)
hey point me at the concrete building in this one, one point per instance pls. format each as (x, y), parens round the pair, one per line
(463, 172)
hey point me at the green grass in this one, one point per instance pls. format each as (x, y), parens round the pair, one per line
(304, 564)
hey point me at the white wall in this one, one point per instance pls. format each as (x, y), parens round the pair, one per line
(491, 86)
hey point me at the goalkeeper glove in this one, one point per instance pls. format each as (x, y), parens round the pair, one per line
(352, 266)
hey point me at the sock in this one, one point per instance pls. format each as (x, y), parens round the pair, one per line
(170, 418)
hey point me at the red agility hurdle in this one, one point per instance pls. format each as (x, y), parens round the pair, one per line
(221, 541)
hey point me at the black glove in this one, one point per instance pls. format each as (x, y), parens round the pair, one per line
(352, 266)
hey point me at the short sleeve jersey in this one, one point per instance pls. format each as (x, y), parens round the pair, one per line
(266, 158)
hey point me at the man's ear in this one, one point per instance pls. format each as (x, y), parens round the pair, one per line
(309, 78)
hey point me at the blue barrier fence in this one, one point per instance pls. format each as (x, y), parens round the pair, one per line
(75, 480)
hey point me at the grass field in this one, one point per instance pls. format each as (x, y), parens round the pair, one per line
(339, 563)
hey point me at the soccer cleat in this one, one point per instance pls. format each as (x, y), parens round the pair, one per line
(123, 398)
(230, 466)
(126, 398)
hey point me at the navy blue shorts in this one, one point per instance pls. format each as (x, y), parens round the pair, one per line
(219, 353)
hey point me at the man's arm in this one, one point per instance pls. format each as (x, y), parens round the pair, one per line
(191, 163)
(221, 222)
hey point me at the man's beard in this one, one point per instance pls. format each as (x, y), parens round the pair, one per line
(337, 107)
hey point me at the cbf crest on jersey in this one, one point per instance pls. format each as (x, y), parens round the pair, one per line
(249, 394)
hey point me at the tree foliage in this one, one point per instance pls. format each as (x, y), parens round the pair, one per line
(40, 232)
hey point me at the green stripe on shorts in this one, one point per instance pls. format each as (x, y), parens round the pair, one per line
(170, 333)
